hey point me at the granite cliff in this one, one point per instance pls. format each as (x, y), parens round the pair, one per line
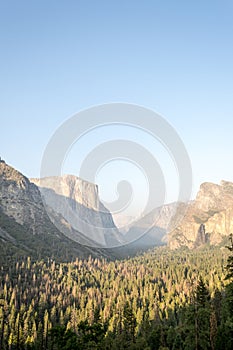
(208, 219)
(45, 220)
(25, 226)
(77, 201)
(20, 199)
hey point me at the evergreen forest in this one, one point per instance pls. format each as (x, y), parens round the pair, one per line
(159, 300)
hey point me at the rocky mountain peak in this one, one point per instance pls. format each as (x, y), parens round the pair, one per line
(209, 217)
(213, 196)
(18, 196)
(72, 187)
(8, 173)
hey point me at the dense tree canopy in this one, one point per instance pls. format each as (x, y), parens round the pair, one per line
(158, 300)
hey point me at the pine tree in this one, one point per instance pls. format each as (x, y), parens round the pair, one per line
(202, 294)
(229, 266)
(213, 329)
(129, 323)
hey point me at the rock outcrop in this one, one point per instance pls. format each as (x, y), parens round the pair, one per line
(65, 214)
(77, 201)
(25, 225)
(20, 199)
(208, 219)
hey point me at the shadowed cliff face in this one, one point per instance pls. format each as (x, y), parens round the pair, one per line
(25, 226)
(151, 229)
(209, 219)
(77, 201)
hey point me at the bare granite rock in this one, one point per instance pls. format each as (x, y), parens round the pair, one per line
(26, 225)
(211, 212)
(77, 201)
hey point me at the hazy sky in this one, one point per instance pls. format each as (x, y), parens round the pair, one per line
(175, 57)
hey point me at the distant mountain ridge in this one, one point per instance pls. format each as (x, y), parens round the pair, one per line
(206, 220)
(152, 228)
(26, 226)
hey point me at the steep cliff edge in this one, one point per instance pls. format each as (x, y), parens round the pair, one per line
(20, 199)
(208, 219)
(25, 226)
(77, 201)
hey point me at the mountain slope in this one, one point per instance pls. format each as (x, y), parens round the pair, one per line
(151, 230)
(25, 227)
(208, 219)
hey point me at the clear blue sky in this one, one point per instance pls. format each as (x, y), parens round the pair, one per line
(175, 57)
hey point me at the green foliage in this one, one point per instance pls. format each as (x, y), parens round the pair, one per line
(158, 300)
(62, 339)
(202, 294)
(229, 266)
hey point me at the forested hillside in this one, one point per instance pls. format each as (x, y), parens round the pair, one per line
(159, 300)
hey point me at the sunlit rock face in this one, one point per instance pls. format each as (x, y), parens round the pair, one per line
(209, 219)
(21, 199)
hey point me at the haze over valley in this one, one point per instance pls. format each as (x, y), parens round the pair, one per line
(116, 175)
